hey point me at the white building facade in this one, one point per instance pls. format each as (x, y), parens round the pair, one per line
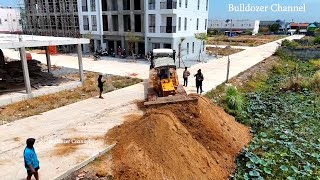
(10, 20)
(158, 23)
(173, 24)
(237, 25)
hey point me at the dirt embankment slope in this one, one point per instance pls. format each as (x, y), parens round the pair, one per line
(179, 141)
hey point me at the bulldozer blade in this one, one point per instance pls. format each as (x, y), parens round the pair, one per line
(171, 100)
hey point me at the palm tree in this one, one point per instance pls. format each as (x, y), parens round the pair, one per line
(203, 37)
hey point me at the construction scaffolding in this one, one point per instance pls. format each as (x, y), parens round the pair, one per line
(52, 18)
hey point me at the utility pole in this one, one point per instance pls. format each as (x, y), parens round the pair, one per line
(230, 35)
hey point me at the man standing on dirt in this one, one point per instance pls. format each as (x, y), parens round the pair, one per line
(31, 161)
(100, 86)
(199, 79)
(186, 74)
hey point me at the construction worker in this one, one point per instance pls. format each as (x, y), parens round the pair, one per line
(199, 79)
(31, 161)
(100, 86)
(186, 74)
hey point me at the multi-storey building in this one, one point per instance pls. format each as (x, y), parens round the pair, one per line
(52, 18)
(237, 25)
(109, 22)
(158, 23)
(10, 20)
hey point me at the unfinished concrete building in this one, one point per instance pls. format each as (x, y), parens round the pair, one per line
(52, 18)
(111, 22)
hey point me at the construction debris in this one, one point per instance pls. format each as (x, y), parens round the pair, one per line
(192, 140)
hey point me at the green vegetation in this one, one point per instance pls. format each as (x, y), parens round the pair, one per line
(234, 99)
(282, 107)
(289, 43)
(317, 40)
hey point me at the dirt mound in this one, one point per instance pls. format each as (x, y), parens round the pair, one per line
(179, 141)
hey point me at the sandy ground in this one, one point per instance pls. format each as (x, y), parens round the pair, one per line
(84, 118)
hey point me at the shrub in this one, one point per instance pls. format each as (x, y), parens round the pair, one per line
(297, 83)
(292, 44)
(316, 63)
(234, 99)
(316, 40)
(315, 81)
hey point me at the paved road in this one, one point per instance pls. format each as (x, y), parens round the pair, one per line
(94, 117)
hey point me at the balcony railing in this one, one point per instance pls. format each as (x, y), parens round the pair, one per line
(152, 6)
(86, 27)
(168, 5)
(168, 29)
(152, 29)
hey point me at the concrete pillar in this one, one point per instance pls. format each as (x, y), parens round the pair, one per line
(115, 47)
(25, 69)
(48, 59)
(80, 63)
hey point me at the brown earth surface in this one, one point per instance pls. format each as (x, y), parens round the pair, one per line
(179, 141)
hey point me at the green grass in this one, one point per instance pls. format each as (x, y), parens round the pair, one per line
(285, 121)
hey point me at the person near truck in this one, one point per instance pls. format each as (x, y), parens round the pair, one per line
(186, 74)
(199, 79)
(31, 161)
(100, 86)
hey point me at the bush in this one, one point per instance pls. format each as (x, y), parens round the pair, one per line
(292, 44)
(316, 40)
(234, 99)
(316, 63)
(315, 81)
(297, 83)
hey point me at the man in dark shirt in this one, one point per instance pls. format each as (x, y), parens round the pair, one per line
(199, 79)
(100, 85)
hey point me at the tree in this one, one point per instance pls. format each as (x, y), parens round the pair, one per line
(180, 50)
(275, 27)
(316, 23)
(132, 39)
(91, 44)
(264, 30)
(203, 37)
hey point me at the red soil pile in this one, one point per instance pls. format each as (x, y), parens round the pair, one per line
(178, 141)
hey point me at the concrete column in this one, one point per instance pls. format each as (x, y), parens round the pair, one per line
(80, 63)
(115, 47)
(25, 70)
(48, 59)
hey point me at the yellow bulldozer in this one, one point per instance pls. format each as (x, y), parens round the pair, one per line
(163, 84)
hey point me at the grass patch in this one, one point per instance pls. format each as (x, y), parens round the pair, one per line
(38, 105)
(282, 107)
(244, 40)
(222, 51)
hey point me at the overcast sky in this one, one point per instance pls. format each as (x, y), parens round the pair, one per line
(219, 10)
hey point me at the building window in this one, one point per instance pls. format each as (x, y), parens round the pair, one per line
(115, 23)
(198, 4)
(105, 22)
(84, 6)
(104, 5)
(85, 23)
(179, 24)
(193, 48)
(180, 2)
(187, 48)
(94, 23)
(152, 4)
(152, 23)
(5, 20)
(137, 23)
(93, 5)
(205, 24)
(0, 21)
(126, 23)
(185, 24)
(186, 3)
(126, 4)
(197, 23)
(137, 4)
(203, 45)
(114, 5)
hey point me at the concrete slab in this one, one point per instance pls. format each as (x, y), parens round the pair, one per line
(20, 96)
